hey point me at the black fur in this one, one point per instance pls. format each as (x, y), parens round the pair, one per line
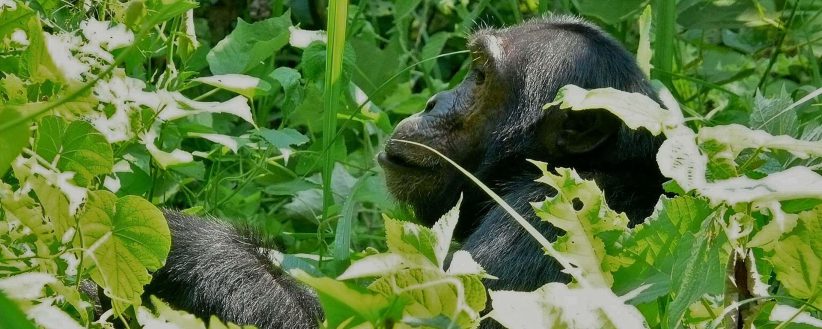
(547, 55)
(214, 269)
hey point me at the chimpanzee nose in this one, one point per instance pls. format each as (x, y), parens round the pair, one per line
(441, 102)
(432, 102)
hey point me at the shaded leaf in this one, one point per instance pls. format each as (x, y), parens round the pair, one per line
(249, 44)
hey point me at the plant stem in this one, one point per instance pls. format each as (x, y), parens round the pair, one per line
(337, 16)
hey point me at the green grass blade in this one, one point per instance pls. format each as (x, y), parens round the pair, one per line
(342, 237)
(665, 15)
(337, 16)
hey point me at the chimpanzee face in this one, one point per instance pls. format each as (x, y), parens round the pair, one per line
(456, 123)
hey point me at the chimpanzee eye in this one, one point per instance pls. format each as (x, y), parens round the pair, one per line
(479, 76)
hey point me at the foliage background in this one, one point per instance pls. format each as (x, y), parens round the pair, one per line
(273, 166)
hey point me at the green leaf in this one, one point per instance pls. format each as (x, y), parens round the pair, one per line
(12, 317)
(404, 7)
(405, 101)
(713, 15)
(14, 138)
(289, 80)
(768, 115)
(380, 265)
(77, 146)
(291, 187)
(349, 304)
(701, 272)
(124, 238)
(134, 13)
(643, 52)
(406, 238)
(610, 12)
(249, 44)
(431, 294)
(283, 138)
(590, 227)
(797, 259)
(245, 85)
(162, 10)
(23, 208)
(651, 250)
(14, 89)
(433, 48)
(56, 205)
(313, 61)
(343, 233)
(376, 66)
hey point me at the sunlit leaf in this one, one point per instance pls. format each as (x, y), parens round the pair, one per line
(346, 303)
(12, 316)
(76, 146)
(798, 258)
(14, 138)
(580, 210)
(123, 237)
(555, 305)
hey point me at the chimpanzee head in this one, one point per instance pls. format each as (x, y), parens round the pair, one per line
(494, 119)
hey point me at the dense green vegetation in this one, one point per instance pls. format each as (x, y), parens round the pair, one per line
(110, 110)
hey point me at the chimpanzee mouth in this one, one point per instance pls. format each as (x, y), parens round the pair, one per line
(397, 161)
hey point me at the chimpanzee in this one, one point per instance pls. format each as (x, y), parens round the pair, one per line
(489, 124)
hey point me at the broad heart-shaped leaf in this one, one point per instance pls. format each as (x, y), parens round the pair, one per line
(14, 138)
(249, 44)
(650, 250)
(591, 228)
(346, 303)
(124, 238)
(797, 259)
(78, 145)
(554, 305)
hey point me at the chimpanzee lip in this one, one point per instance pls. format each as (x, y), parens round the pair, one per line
(396, 161)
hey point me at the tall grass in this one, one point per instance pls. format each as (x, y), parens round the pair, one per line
(665, 16)
(337, 20)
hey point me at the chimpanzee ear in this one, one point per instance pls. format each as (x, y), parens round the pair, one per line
(583, 131)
